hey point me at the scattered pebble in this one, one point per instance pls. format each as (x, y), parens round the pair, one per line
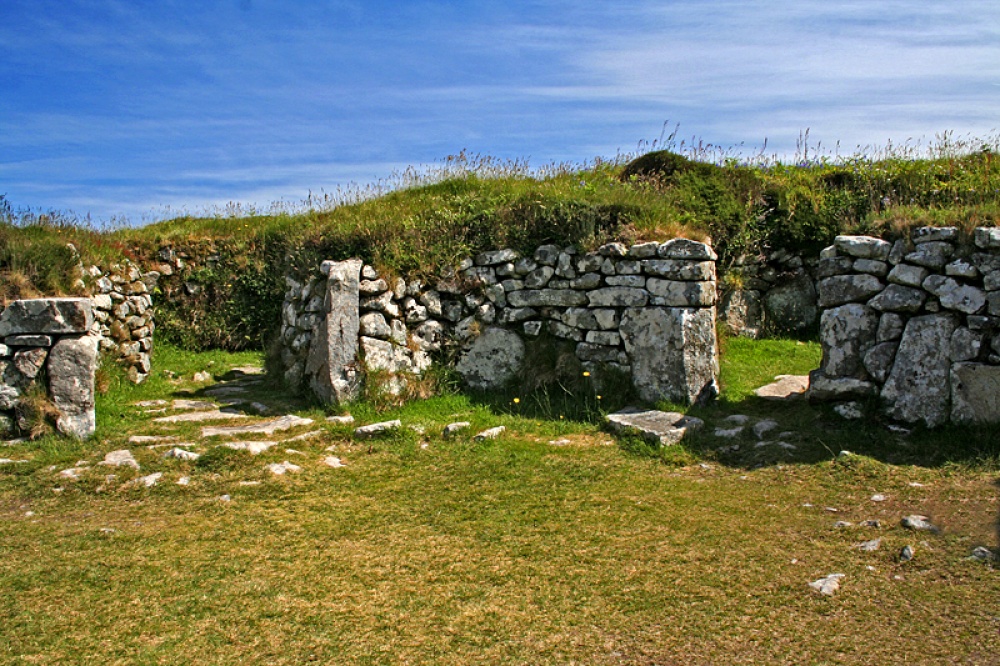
(453, 429)
(108, 530)
(906, 554)
(249, 483)
(254, 447)
(346, 419)
(150, 403)
(333, 461)
(919, 523)
(225, 498)
(181, 454)
(841, 524)
(871, 523)
(871, 568)
(72, 473)
(148, 481)
(491, 433)
(981, 553)
(29, 514)
(120, 458)
(293, 452)
(849, 410)
(879, 497)
(738, 419)
(844, 454)
(869, 546)
(183, 481)
(830, 509)
(899, 430)
(560, 442)
(201, 376)
(761, 428)
(9, 461)
(375, 429)
(828, 584)
(728, 434)
(915, 484)
(282, 467)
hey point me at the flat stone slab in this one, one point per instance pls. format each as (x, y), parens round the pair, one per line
(253, 447)
(655, 426)
(209, 415)
(264, 427)
(785, 387)
(376, 429)
(491, 433)
(192, 404)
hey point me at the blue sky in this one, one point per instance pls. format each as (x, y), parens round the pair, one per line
(114, 107)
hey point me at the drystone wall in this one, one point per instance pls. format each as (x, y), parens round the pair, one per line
(646, 310)
(123, 316)
(774, 292)
(50, 341)
(915, 323)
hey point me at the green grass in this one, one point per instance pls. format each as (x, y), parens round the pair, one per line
(553, 544)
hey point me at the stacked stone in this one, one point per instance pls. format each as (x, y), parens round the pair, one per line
(49, 339)
(123, 316)
(611, 304)
(772, 292)
(915, 322)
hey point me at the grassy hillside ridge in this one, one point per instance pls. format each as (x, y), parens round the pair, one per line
(231, 283)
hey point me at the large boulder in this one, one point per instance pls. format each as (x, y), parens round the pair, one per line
(72, 363)
(673, 353)
(493, 360)
(846, 334)
(975, 393)
(47, 315)
(918, 388)
(332, 364)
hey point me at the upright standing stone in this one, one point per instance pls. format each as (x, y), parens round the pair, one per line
(71, 366)
(332, 365)
(918, 388)
(673, 353)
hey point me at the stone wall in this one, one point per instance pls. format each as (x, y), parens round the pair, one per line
(49, 340)
(646, 310)
(774, 292)
(915, 323)
(123, 316)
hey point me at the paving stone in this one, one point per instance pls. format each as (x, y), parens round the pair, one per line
(665, 428)
(264, 427)
(210, 415)
(786, 387)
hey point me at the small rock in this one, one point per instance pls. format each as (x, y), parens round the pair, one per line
(728, 434)
(10, 461)
(333, 461)
(453, 429)
(183, 481)
(108, 530)
(181, 454)
(201, 376)
(346, 419)
(871, 523)
(869, 546)
(841, 524)
(761, 428)
(147, 481)
(293, 452)
(225, 498)
(72, 473)
(879, 497)
(260, 408)
(491, 433)
(120, 458)
(828, 584)
(376, 429)
(785, 387)
(831, 509)
(738, 419)
(849, 410)
(915, 484)
(283, 467)
(254, 447)
(906, 554)
(981, 553)
(919, 523)
(559, 442)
